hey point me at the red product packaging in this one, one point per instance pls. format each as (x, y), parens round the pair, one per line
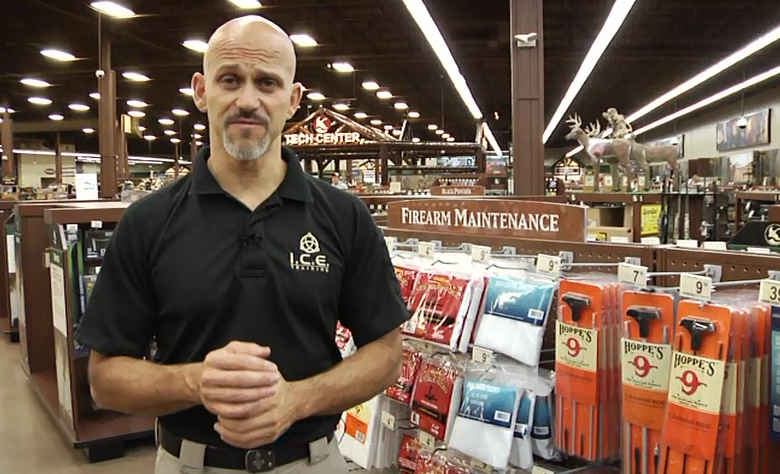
(428, 463)
(439, 304)
(402, 390)
(344, 340)
(407, 277)
(408, 454)
(434, 400)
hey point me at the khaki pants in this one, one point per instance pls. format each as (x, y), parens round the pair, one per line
(166, 463)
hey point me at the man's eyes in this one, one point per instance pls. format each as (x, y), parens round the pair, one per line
(231, 81)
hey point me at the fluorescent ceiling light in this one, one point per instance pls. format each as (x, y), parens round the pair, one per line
(187, 91)
(433, 126)
(370, 85)
(175, 140)
(414, 115)
(401, 106)
(341, 107)
(166, 121)
(170, 133)
(198, 46)
(199, 126)
(141, 128)
(134, 76)
(95, 95)
(78, 107)
(150, 138)
(58, 55)
(56, 117)
(316, 96)
(711, 99)
(304, 41)
(619, 12)
(415, 140)
(384, 94)
(136, 114)
(246, 4)
(39, 101)
(343, 67)
(88, 130)
(180, 112)
(113, 9)
(445, 135)
(491, 139)
(34, 82)
(361, 115)
(376, 122)
(139, 104)
(451, 139)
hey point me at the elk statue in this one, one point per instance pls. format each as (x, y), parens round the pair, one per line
(618, 153)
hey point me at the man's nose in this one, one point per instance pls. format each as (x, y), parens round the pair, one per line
(248, 99)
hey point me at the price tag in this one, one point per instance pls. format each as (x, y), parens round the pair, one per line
(688, 244)
(427, 441)
(769, 292)
(651, 241)
(761, 250)
(388, 421)
(480, 254)
(714, 245)
(541, 470)
(390, 242)
(479, 465)
(426, 249)
(481, 356)
(97, 224)
(548, 265)
(72, 227)
(635, 275)
(696, 286)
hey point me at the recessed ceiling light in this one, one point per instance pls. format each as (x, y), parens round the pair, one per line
(341, 107)
(401, 105)
(139, 104)
(4, 110)
(376, 122)
(34, 82)
(197, 136)
(136, 114)
(416, 140)
(39, 101)
(141, 128)
(199, 143)
(88, 130)
(343, 67)
(175, 140)
(56, 117)
(150, 137)
(58, 55)
(370, 85)
(198, 46)
(135, 76)
(95, 95)
(414, 115)
(496, 115)
(384, 94)
(304, 41)
(113, 9)
(180, 112)
(397, 133)
(78, 107)
(170, 133)
(199, 126)
(361, 115)
(246, 4)
(445, 135)
(451, 139)
(439, 132)
(187, 91)
(388, 127)
(316, 96)
(166, 121)
(433, 126)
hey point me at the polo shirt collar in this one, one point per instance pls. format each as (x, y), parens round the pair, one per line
(294, 186)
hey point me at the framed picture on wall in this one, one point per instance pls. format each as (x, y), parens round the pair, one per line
(730, 136)
(678, 141)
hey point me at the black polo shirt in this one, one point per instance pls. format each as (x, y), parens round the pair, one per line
(194, 267)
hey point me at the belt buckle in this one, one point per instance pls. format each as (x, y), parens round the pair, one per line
(260, 460)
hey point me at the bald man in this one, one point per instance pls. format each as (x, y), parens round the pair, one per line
(239, 273)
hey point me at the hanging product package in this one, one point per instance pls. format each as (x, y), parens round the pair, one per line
(436, 397)
(514, 317)
(542, 440)
(408, 454)
(410, 365)
(439, 463)
(344, 341)
(522, 454)
(774, 388)
(358, 433)
(484, 426)
(407, 268)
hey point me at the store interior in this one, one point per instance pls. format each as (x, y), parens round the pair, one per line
(581, 201)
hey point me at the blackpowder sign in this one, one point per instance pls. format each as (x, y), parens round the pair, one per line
(458, 191)
(526, 219)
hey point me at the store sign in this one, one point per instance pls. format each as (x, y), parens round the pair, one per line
(527, 219)
(303, 139)
(458, 191)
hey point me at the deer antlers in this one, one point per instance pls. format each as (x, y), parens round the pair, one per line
(593, 129)
(575, 121)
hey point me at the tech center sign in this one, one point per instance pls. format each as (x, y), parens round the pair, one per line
(321, 126)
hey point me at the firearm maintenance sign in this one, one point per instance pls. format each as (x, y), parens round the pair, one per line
(528, 219)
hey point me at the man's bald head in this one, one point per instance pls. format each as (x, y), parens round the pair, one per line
(244, 34)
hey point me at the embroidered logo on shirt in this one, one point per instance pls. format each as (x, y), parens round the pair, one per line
(309, 258)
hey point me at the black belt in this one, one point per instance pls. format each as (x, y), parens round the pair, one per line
(253, 460)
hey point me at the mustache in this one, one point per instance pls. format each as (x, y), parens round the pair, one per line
(248, 115)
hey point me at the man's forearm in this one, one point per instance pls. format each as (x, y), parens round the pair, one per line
(141, 387)
(358, 378)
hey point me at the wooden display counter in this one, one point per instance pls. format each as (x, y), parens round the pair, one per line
(7, 271)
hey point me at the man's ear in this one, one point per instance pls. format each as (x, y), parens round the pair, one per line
(199, 91)
(295, 99)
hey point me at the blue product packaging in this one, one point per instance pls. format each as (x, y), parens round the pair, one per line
(522, 300)
(489, 403)
(774, 392)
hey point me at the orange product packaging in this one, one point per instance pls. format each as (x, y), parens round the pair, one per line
(578, 377)
(730, 403)
(646, 361)
(763, 339)
(691, 440)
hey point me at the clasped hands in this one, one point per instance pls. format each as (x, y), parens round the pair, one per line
(253, 403)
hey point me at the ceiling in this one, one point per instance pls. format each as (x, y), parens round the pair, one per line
(661, 44)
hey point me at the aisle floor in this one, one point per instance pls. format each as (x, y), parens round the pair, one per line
(29, 442)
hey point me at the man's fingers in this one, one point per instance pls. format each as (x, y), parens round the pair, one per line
(239, 361)
(232, 395)
(238, 379)
(248, 348)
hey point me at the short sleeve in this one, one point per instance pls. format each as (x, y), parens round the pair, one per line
(119, 317)
(371, 301)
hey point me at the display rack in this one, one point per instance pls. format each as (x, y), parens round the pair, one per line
(744, 197)
(7, 270)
